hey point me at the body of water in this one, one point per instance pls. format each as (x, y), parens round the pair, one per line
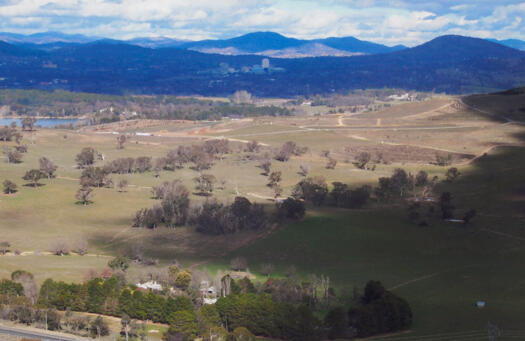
(43, 122)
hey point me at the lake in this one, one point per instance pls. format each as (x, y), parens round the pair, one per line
(43, 122)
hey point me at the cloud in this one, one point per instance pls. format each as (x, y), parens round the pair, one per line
(387, 21)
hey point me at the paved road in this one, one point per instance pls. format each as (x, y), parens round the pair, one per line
(30, 334)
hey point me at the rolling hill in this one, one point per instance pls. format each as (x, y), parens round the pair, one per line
(514, 43)
(276, 45)
(452, 64)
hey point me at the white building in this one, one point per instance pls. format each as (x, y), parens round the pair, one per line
(265, 63)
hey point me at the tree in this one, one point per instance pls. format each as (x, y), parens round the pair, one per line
(331, 163)
(443, 159)
(291, 208)
(452, 174)
(12, 156)
(4, 247)
(60, 248)
(274, 178)
(86, 157)
(304, 170)
(119, 263)
(313, 189)
(84, 195)
(183, 322)
(265, 166)
(122, 184)
(28, 123)
(125, 322)
(81, 247)
(47, 167)
(277, 191)
(9, 187)
(183, 279)
(121, 139)
(33, 176)
(445, 203)
(421, 179)
(204, 184)
(362, 159)
(98, 327)
(253, 147)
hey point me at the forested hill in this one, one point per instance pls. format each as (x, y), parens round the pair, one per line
(451, 64)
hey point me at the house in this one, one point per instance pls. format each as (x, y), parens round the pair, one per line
(153, 285)
(208, 293)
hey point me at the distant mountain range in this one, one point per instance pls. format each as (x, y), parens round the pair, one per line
(451, 64)
(269, 44)
(259, 43)
(514, 43)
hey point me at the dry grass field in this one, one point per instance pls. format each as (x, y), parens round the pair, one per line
(442, 270)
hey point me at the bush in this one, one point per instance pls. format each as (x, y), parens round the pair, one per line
(291, 208)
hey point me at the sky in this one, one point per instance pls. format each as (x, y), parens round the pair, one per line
(390, 22)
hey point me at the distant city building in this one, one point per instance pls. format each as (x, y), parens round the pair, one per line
(265, 63)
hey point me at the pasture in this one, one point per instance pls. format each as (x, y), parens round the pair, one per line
(441, 269)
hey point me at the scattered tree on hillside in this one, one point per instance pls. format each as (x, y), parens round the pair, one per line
(288, 149)
(28, 123)
(265, 166)
(60, 248)
(12, 156)
(331, 163)
(421, 179)
(277, 191)
(9, 187)
(94, 177)
(119, 263)
(274, 178)
(313, 190)
(204, 184)
(362, 159)
(84, 195)
(86, 157)
(4, 247)
(81, 247)
(445, 203)
(121, 140)
(33, 176)
(98, 327)
(291, 208)
(8, 133)
(253, 147)
(452, 174)
(47, 167)
(122, 184)
(304, 170)
(443, 159)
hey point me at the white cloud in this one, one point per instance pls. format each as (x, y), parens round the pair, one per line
(386, 21)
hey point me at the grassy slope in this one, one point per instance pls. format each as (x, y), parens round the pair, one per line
(456, 267)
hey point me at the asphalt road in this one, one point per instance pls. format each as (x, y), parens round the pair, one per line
(34, 335)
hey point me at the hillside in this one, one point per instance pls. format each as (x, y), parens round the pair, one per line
(276, 45)
(451, 64)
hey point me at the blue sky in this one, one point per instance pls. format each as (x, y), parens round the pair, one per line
(390, 22)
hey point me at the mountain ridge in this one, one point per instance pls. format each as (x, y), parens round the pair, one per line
(450, 64)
